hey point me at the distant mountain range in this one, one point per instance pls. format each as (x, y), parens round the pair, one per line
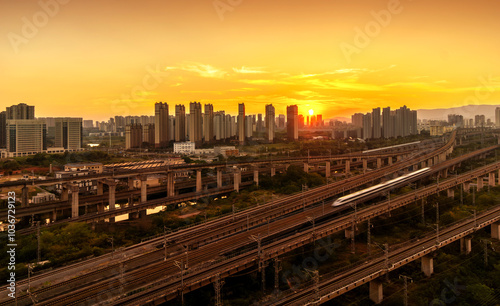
(468, 112)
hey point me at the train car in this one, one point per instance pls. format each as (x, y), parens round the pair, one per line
(377, 189)
(391, 147)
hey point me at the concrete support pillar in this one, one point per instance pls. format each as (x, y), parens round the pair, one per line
(64, 193)
(328, 172)
(451, 193)
(219, 178)
(480, 183)
(286, 167)
(144, 189)
(54, 216)
(498, 177)
(100, 207)
(389, 161)
(306, 167)
(495, 230)
(100, 188)
(74, 201)
(491, 179)
(130, 181)
(466, 187)
(339, 162)
(365, 165)
(428, 265)
(423, 165)
(170, 184)
(429, 163)
(198, 181)
(256, 176)
(24, 197)
(399, 158)
(112, 190)
(379, 163)
(347, 166)
(465, 245)
(376, 291)
(316, 167)
(273, 170)
(348, 233)
(445, 173)
(237, 180)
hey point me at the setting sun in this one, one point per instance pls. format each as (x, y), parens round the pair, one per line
(311, 112)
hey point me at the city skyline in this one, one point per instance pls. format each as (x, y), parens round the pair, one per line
(336, 58)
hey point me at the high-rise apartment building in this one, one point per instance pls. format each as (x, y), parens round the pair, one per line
(88, 124)
(68, 133)
(148, 134)
(248, 126)
(497, 117)
(479, 120)
(387, 123)
(220, 125)
(180, 123)
(161, 125)
(376, 123)
(195, 124)
(357, 120)
(241, 123)
(26, 137)
(3, 130)
(20, 111)
(367, 126)
(133, 136)
(270, 119)
(292, 124)
(208, 124)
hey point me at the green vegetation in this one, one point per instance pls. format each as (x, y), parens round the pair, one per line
(291, 181)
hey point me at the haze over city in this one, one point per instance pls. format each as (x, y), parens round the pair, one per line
(95, 60)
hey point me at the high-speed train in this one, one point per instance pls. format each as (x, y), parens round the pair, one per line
(377, 189)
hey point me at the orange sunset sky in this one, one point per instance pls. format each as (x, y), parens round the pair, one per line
(97, 59)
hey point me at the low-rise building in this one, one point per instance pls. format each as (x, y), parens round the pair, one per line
(184, 147)
(92, 167)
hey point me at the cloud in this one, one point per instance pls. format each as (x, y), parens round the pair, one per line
(244, 69)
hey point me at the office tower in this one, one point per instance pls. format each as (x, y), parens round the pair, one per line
(3, 130)
(220, 125)
(241, 123)
(133, 136)
(376, 123)
(387, 123)
(367, 126)
(68, 133)
(357, 120)
(292, 124)
(301, 121)
(313, 121)
(180, 123)
(88, 124)
(281, 122)
(161, 125)
(26, 137)
(188, 125)
(20, 111)
(208, 124)
(148, 133)
(270, 119)
(319, 120)
(195, 123)
(497, 116)
(456, 120)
